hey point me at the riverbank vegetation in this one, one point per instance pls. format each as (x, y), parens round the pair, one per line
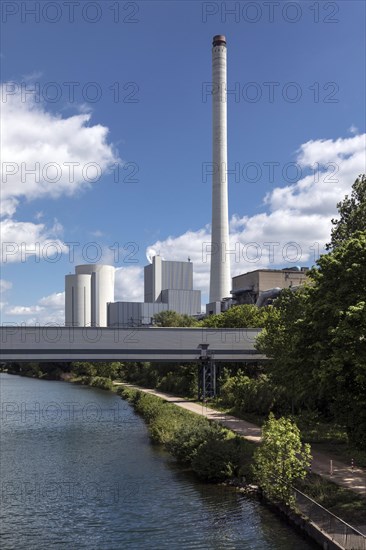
(214, 453)
(98, 375)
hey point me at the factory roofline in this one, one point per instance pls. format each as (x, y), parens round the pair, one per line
(284, 270)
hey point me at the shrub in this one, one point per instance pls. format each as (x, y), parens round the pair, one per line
(164, 426)
(216, 460)
(186, 441)
(148, 406)
(102, 383)
(253, 395)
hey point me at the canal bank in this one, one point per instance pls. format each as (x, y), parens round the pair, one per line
(79, 471)
(323, 527)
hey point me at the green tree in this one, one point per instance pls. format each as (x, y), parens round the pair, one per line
(335, 327)
(244, 394)
(83, 368)
(352, 212)
(242, 316)
(281, 459)
(171, 318)
(284, 342)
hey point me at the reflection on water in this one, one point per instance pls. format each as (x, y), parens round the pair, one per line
(78, 471)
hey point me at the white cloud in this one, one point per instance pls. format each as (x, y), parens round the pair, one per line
(97, 233)
(48, 310)
(23, 310)
(44, 155)
(5, 285)
(353, 129)
(55, 300)
(20, 240)
(129, 284)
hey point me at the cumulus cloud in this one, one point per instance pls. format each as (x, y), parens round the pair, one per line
(5, 285)
(49, 310)
(129, 284)
(20, 240)
(45, 155)
(297, 223)
(55, 300)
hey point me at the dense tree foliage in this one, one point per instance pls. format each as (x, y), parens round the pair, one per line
(243, 316)
(283, 341)
(281, 459)
(173, 319)
(172, 378)
(44, 370)
(104, 369)
(335, 324)
(244, 394)
(317, 340)
(352, 212)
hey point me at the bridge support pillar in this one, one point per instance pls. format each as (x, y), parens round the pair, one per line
(207, 378)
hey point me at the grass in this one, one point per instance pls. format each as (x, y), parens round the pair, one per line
(342, 502)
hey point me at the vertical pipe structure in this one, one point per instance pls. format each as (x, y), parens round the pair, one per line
(220, 280)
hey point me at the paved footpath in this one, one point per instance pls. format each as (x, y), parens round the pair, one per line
(343, 475)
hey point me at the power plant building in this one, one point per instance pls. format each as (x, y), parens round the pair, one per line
(87, 294)
(168, 285)
(256, 287)
(131, 314)
(78, 300)
(162, 275)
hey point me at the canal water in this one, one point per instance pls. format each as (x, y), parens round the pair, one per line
(78, 471)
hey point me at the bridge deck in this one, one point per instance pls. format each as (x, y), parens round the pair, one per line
(115, 344)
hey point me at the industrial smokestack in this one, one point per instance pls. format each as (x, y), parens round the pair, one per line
(220, 280)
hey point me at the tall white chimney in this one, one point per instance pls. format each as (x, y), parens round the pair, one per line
(220, 279)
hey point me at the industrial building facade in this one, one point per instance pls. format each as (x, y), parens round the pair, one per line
(249, 288)
(87, 294)
(168, 285)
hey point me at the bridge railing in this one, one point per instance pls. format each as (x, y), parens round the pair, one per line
(339, 531)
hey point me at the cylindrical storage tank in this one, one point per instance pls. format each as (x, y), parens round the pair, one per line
(78, 300)
(102, 290)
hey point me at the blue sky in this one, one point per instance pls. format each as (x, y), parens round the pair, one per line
(128, 90)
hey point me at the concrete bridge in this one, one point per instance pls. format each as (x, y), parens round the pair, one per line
(53, 343)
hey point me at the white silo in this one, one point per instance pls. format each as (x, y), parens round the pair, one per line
(220, 280)
(102, 290)
(77, 300)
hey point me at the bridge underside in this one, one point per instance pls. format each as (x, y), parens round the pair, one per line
(24, 344)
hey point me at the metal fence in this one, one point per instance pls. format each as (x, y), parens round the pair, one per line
(337, 530)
